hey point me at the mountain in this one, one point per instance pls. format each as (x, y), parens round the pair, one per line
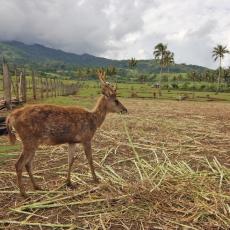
(43, 57)
(21, 53)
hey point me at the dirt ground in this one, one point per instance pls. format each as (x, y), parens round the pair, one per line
(164, 165)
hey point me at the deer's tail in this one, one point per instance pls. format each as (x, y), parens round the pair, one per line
(9, 127)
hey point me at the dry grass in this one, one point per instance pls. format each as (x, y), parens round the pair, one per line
(166, 165)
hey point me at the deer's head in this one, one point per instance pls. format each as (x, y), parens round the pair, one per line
(113, 105)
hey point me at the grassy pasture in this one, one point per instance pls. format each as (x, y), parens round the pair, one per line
(127, 90)
(165, 165)
(145, 90)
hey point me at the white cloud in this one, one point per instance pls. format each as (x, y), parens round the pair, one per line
(121, 29)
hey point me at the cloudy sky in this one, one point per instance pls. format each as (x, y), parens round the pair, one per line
(121, 29)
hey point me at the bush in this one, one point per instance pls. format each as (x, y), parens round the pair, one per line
(184, 85)
(203, 87)
(174, 85)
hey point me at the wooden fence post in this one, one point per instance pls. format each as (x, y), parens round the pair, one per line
(55, 87)
(20, 87)
(51, 87)
(6, 84)
(47, 87)
(16, 85)
(34, 85)
(62, 89)
(23, 86)
(59, 88)
(28, 84)
(41, 88)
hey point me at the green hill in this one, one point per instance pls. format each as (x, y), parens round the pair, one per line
(43, 57)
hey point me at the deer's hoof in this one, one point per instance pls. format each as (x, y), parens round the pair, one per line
(70, 185)
(37, 187)
(96, 181)
(24, 194)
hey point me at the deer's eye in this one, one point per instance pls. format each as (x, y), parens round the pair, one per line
(116, 101)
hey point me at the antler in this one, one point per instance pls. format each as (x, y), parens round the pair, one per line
(107, 88)
(101, 75)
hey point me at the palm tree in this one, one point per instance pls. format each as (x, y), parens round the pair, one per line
(168, 59)
(159, 54)
(111, 70)
(218, 53)
(132, 62)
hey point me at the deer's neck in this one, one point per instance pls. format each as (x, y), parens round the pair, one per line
(100, 111)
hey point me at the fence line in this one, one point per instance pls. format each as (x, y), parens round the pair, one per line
(20, 88)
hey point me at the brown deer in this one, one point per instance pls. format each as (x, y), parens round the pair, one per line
(52, 125)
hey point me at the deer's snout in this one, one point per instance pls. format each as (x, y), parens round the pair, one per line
(124, 110)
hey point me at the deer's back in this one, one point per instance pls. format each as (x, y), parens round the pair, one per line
(51, 124)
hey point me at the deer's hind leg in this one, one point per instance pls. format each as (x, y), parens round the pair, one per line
(26, 156)
(29, 169)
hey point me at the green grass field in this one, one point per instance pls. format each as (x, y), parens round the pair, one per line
(138, 90)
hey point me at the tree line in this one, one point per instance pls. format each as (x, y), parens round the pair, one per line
(165, 58)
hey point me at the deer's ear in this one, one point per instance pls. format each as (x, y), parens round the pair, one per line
(115, 88)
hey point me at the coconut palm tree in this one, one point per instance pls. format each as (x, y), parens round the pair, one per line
(132, 62)
(111, 70)
(168, 60)
(159, 54)
(218, 53)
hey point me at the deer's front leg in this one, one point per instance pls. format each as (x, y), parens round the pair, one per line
(71, 151)
(88, 153)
